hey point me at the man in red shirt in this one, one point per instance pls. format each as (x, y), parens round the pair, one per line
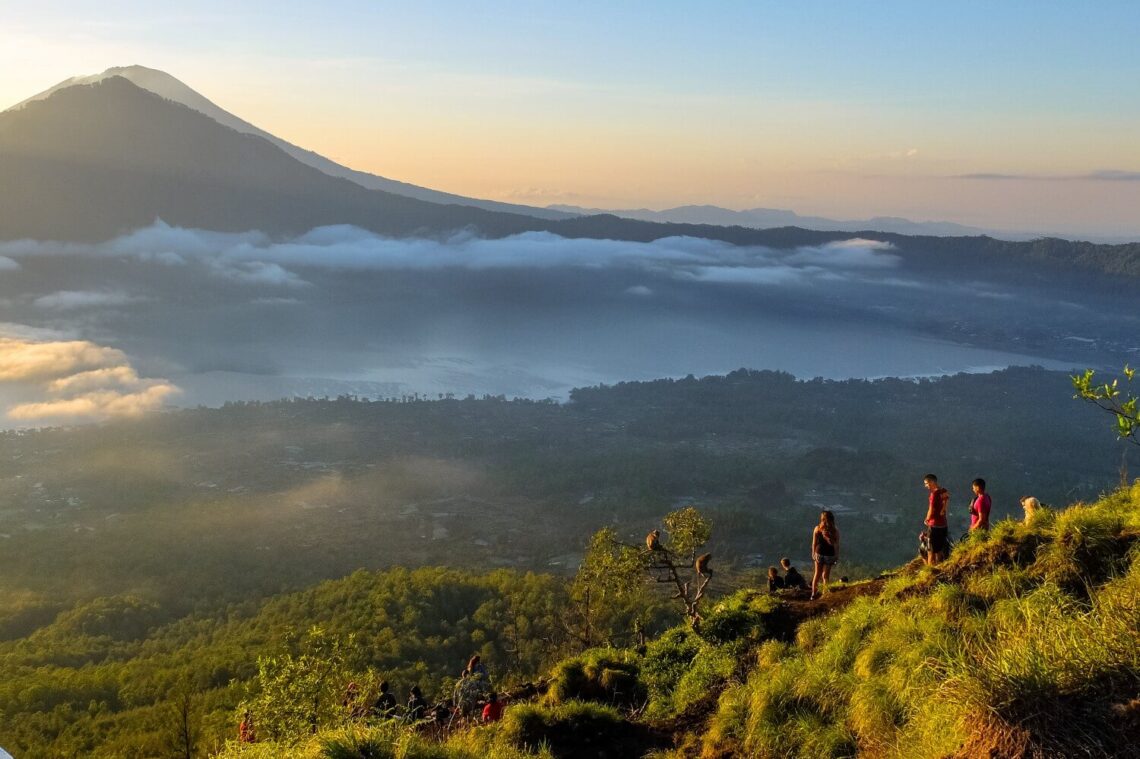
(980, 508)
(937, 508)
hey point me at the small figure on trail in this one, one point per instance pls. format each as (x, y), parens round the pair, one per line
(493, 711)
(472, 689)
(385, 706)
(475, 668)
(246, 731)
(793, 580)
(702, 564)
(653, 540)
(352, 703)
(936, 511)
(775, 582)
(1031, 505)
(980, 508)
(417, 704)
(824, 550)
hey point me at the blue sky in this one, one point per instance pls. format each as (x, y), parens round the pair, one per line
(844, 108)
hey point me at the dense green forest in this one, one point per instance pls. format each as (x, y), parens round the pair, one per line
(150, 564)
(198, 508)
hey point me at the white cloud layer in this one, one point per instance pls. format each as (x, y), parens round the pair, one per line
(254, 259)
(76, 381)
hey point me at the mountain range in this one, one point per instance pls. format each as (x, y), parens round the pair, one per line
(96, 157)
(762, 218)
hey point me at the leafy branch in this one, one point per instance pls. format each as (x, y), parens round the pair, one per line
(1109, 396)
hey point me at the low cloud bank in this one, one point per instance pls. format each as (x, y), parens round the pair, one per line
(255, 259)
(76, 380)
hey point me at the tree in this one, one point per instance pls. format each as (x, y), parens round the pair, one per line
(185, 717)
(613, 572)
(1122, 404)
(299, 693)
(688, 532)
(603, 593)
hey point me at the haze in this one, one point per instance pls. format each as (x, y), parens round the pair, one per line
(168, 315)
(1013, 116)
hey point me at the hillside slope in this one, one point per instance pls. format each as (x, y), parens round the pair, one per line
(1024, 644)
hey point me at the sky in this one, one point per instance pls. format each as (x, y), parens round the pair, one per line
(1005, 115)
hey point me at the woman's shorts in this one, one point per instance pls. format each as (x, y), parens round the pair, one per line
(819, 558)
(939, 540)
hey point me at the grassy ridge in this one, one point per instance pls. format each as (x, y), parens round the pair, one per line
(1025, 643)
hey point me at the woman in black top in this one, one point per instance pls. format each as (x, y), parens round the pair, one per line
(824, 549)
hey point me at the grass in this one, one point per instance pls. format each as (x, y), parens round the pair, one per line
(1026, 642)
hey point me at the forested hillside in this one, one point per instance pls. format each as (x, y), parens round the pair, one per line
(1026, 643)
(146, 560)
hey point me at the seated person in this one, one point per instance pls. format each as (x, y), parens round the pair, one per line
(493, 711)
(792, 579)
(775, 582)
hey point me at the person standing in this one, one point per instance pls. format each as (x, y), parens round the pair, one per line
(385, 706)
(937, 509)
(980, 508)
(417, 705)
(246, 731)
(824, 550)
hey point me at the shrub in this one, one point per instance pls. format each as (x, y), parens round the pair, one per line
(601, 674)
(574, 729)
(745, 616)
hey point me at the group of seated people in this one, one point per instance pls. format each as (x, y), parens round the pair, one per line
(792, 579)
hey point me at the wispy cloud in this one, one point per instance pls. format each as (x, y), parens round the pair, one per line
(1104, 175)
(72, 300)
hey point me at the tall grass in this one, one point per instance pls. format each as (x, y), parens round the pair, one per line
(1026, 642)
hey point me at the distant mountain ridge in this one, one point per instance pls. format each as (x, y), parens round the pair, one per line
(763, 218)
(167, 86)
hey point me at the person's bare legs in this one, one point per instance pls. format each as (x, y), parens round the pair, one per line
(819, 570)
(826, 574)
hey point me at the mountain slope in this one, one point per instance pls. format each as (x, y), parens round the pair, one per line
(93, 161)
(165, 85)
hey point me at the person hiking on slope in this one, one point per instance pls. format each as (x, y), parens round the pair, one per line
(937, 508)
(246, 731)
(824, 550)
(980, 508)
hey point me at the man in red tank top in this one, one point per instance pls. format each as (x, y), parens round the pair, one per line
(936, 511)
